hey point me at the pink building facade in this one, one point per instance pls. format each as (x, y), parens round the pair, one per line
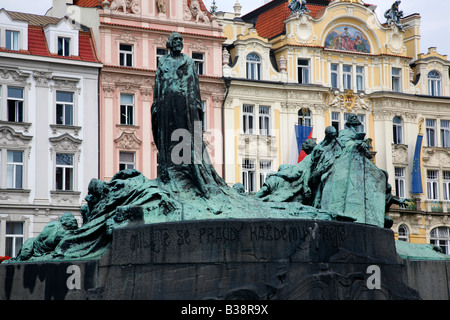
(130, 40)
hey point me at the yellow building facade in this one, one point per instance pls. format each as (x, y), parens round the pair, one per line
(283, 68)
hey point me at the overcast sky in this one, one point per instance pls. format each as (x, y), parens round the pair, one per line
(435, 25)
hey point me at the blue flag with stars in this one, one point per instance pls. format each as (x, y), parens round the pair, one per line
(416, 174)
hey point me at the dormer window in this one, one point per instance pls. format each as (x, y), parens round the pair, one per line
(63, 47)
(12, 40)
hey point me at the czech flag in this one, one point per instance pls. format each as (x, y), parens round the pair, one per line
(301, 134)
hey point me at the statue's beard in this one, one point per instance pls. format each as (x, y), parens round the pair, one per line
(178, 48)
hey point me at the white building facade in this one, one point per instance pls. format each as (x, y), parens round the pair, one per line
(48, 123)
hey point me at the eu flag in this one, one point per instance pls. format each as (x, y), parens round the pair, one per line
(416, 174)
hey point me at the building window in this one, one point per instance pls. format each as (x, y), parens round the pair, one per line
(335, 120)
(203, 116)
(264, 120)
(64, 47)
(12, 40)
(434, 83)
(397, 124)
(127, 109)
(360, 79)
(14, 169)
(159, 54)
(347, 77)
(126, 55)
(334, 76)
(400, 182)
(13, 238)
(265, 168)
(253, 66)
(362, 118)
(304, 117)
(403, 233)
(199, 59)
(446, 179)
(430, 125)
(126, 160)
(64, 108)
(64, 171)
(432, 185)
(440, 237)
(248, 118)
(248, 175)
(15, 104)
(303, 71)
(445, 133)
(396, 79)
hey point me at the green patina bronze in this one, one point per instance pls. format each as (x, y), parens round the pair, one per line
(336, 181)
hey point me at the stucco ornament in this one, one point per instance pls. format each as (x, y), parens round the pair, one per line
(126, 4)
(197, 12)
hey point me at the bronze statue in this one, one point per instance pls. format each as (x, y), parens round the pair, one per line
(176, 122)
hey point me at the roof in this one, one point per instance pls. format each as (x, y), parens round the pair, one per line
(37, 42)
(269, 18)
(88, 3)
(33, 19)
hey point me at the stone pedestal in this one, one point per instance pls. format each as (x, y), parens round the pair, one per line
(226, 259)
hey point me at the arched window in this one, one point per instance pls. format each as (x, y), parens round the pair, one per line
(403, 233)
(304, 117)
(434, 83)
(440, 237)
(397, 124)
(253, 66)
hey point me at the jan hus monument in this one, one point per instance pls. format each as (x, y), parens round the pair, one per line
(315, 230)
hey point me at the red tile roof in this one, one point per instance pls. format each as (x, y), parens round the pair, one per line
(37, 43)
(88, 3)
(269, 18)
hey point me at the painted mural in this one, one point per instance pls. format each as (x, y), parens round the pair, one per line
(347, 38)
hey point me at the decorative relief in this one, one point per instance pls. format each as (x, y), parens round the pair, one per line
(400, 154)
(65, 143)
(349, 101)
(126, 37)
(42, 78)
(395, 40)
(198, 45)
(128, 140)
(10, 138)
(304, 30)
(65, 84)
(195, 12)
(161, 4)
(14, 74)
(436, 157)
(123, 5)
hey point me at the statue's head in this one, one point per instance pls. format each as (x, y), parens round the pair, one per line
(68, 221)
(330, 133)
(352, 120)
(308, 145)
(175, 42)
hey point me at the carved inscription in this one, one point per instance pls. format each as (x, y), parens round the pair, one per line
(332, 235)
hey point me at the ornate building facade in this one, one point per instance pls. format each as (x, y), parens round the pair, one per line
(131, 36)
(49, 75)
(314, 67)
